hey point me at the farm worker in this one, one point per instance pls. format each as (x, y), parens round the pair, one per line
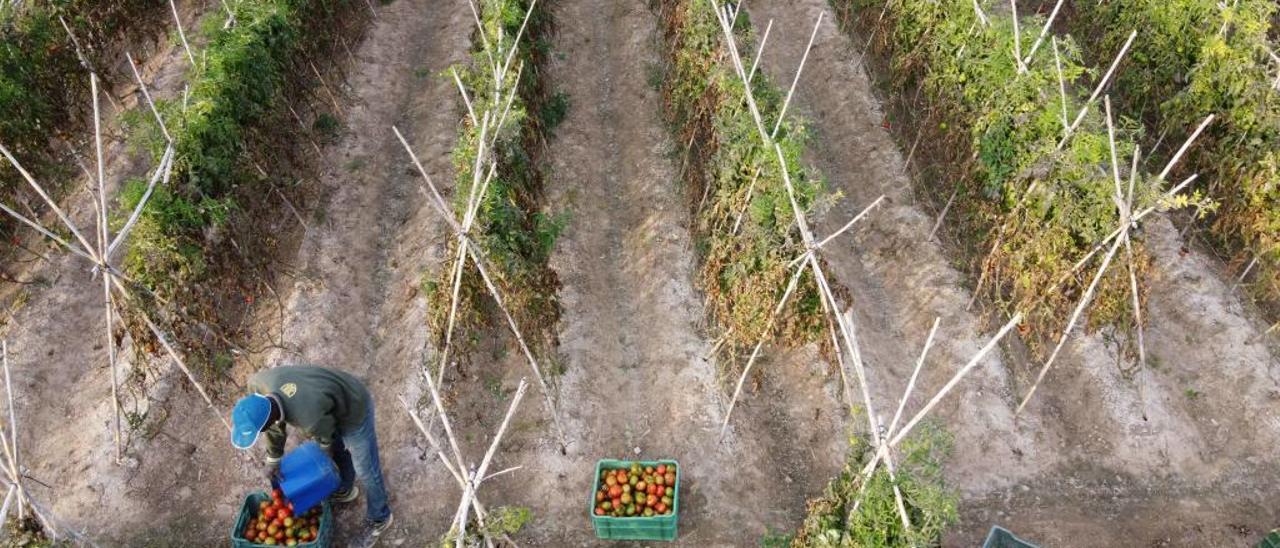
(330, 406)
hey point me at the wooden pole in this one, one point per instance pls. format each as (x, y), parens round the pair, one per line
(104, 240)
(177, 21)
(1106, 78)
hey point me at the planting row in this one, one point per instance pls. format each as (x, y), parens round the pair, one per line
(513, 233)
(1029, 154)
(743, 225)
(746, 236)
(1195, 57)
(201, 238)
(44, 90)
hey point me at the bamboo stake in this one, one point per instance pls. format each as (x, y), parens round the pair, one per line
(1018, 65)
(1106, 78)
(325, 86)
(182, 366)
(13, 433)
(782, 113)
(104, 239)
(164, 169)
(1043, 32)
(177, 21)
(946, 208)
(435, 445)
(833, 235)
(764, 39)
(88, 248)
(896, 437)
(1062, 88)
(533, 363)
(911, 383)
(981, 16)
(755, 352)
(488, 456)
(147, 95)
(751, 187)
(231, 16)
(1071, 324)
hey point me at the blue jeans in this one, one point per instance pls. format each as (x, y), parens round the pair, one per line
(356, 454)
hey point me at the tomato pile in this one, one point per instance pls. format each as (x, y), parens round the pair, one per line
(275, 524)
(636, 491)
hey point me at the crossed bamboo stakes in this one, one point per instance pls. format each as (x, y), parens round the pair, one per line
(12, 473)
(115, 293)
(490, 115)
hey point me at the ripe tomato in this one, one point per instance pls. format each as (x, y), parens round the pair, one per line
(273, 529)
(262, 526)
(659, 490)
(269, 513)
(599, 511)
(284, 512)
(263, 505)
(671, 479)
(642, 486)
(651, 500)
(277, 494)
(662, 469)
(615, 492)
(660, 508)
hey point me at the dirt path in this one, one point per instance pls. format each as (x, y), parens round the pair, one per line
(60, 376)
(636, 375)
(355, 303)
(1188, 468)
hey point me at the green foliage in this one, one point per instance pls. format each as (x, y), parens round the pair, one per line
(230, 123)
(1200, 57)
(43, 87)
(500, 521)
(832, 522)
(516, 236)
(743, 273)
(235, 86)
(1041, 209)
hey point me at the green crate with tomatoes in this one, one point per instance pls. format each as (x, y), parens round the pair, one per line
(635, 500)
(266, 519)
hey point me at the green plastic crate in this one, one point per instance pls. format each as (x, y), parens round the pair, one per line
(634, 528)
(999, 537)
(323, 539)
(1272, 540)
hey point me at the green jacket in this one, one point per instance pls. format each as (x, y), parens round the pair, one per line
(321, 402)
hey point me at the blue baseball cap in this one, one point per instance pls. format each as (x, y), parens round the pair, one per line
(248, 418)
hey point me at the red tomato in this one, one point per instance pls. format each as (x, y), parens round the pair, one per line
(651, 500)
(660, 490)
(660, 508)
(662, 469)
(276, 494)
(284, 512)
(269, 513)
(599, 511)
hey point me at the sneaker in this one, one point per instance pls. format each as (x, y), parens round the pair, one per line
(345, 496)
(369, 536)
(379, 527)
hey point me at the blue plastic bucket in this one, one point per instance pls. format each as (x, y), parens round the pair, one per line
(308, 476)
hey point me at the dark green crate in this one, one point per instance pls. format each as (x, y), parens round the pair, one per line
(323, 539)
(634, 528)
(999, 537)
(1272, 540)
